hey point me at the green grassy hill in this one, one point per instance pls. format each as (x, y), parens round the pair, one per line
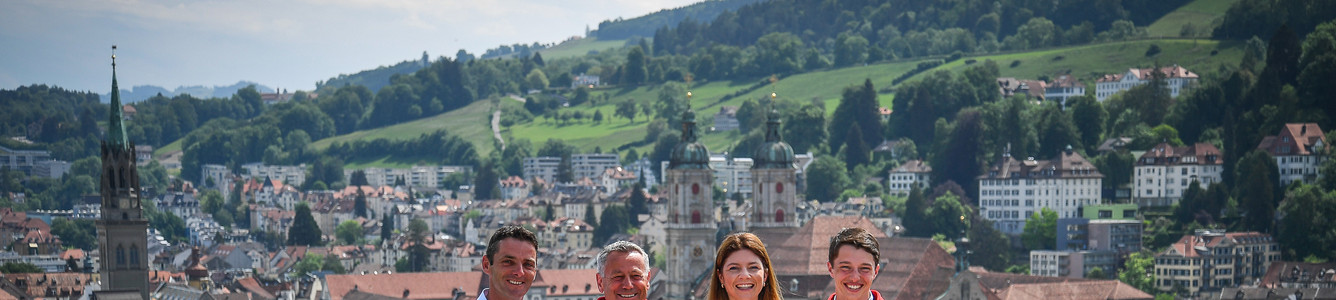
(1202, 14)
(580, 47)
(470, 123)
(1085, 62)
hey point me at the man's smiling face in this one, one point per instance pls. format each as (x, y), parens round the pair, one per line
(511, 270)
(853, 271)
(626, 277)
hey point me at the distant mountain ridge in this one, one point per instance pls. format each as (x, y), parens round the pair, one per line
(143, 92)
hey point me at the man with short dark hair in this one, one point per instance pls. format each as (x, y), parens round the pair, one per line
(623, 272)
(511, 263)
(853, 264)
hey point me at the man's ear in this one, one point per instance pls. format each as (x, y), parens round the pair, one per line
(598, 278)
(830, 268)
(486, 265)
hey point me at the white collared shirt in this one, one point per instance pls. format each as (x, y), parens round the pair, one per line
(483, 295)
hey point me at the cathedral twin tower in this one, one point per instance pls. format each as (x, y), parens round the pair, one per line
(691, 226)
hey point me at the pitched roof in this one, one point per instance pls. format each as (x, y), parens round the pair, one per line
(439, 285)
(1187, 246)
(1093, 290)
(1068, 164)
(1174, 71)
(565, 283)
(1197, 154)
(1290, 271)
(1294, 139)
(913, 166)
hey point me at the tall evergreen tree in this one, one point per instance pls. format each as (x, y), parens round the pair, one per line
(635, 71)
(359, 205)
(913, 217)
(304, 230)
(855, 151)
(590, 218)
(386, 227)
(1261, 195)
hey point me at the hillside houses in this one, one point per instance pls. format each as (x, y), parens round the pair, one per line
(1177, 79)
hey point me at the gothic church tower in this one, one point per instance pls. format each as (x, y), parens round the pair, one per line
(122, 232)
(691, 224)
(774, 180)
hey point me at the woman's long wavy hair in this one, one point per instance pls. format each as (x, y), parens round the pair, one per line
(743, 241)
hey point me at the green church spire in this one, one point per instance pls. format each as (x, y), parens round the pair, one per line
(116, 123)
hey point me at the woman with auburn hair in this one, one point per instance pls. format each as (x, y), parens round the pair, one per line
(742, 270)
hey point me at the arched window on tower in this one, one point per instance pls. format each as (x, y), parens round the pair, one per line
(134, 256)
(120, 256)
(695, 217)
(779, 215)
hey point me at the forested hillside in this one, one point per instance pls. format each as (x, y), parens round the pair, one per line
(644, 26)
(377, 78)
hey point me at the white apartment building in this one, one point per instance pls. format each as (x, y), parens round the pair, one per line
(1013, 189)
(591, 165)
(1164, 172)
(1210, 260)
(1062, 88)
(286, 174)
(1299, 151)
(1176, 79)
(416, 176)
(733, 175)
(903, 178)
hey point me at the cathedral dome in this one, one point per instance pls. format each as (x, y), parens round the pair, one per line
(692, 155)
(689, 153)
(774, 153)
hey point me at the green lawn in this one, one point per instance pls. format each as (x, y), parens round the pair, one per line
(579, 47)
(1089, 61)
(174, 146)
(469, 123)
(1202, 14)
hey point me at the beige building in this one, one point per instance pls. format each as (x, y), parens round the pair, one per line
(1210, 260)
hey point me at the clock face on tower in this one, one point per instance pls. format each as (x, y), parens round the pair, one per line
(697, 252)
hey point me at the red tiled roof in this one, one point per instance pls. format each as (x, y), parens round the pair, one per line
(1294, 139)
(254, 286)
(1186, 245)
(440, 285)
(565, 283)
(1093, 290)
(76, 253)
(1164, 154)
(58, 284)
(1286, 271)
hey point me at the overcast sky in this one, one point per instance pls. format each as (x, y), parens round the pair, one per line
(281, 44)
